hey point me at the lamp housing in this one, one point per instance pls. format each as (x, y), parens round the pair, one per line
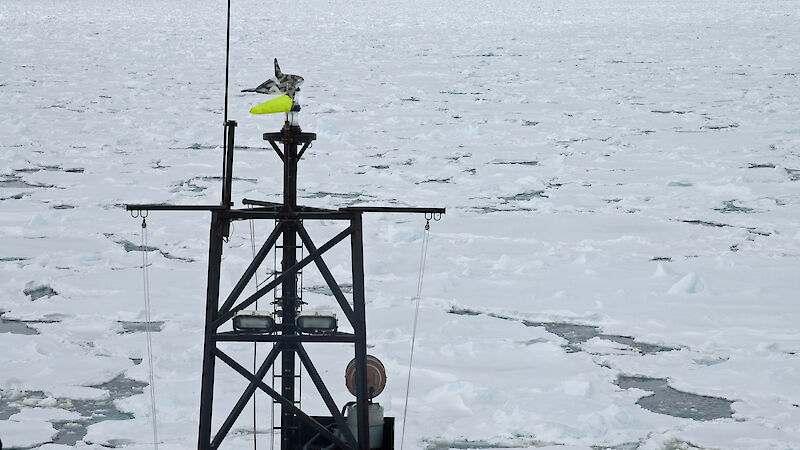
(317, 323)
(254, 321)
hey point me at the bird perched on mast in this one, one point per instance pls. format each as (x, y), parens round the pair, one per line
(282, 83)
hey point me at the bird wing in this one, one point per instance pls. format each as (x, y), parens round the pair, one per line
(270, 86)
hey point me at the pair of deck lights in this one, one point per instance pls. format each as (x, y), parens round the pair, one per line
(263, 322)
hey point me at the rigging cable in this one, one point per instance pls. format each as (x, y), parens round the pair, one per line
(422, 258)
(149, 330)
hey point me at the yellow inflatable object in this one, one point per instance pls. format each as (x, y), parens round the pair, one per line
(276, 105)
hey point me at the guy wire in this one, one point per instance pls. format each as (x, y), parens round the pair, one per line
(422, 258)
(149, 329)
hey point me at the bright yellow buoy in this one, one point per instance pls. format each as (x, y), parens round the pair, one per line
(276, 105)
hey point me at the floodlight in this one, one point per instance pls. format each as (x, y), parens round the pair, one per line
(317, 323)
(253, 321)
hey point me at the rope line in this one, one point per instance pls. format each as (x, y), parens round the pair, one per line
(422, 258)
(149, 332)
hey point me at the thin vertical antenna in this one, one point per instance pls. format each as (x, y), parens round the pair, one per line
(227, 59)
(225, 148)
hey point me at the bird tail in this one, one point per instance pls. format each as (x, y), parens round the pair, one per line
(278, 72)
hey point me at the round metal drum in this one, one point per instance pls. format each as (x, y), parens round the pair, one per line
(376, 376)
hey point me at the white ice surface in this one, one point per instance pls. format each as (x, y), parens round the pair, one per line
(25, 434)
(628, 165)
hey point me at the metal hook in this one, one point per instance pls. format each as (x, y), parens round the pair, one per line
(437, 216)
(144, 213)
(135, 213)
(428, 216)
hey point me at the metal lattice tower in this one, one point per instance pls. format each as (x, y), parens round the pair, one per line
(288, 343)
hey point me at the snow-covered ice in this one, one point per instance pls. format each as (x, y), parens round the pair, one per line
(631, 167)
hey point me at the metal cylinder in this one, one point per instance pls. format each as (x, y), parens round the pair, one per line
(375, 412)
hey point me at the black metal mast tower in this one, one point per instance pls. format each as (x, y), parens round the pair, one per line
(287, 339)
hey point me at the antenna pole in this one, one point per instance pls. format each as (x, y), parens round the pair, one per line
(227, 166)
